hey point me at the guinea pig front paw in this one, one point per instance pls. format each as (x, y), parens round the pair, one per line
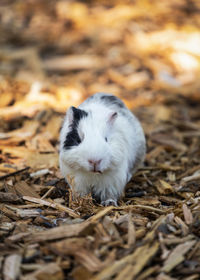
(109, 202)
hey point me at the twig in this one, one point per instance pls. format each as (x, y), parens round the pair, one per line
(14, 173)
(48, 192)
(52, 204)
(144, 207)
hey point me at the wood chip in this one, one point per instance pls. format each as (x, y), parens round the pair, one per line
(147, 208)
(182, 225)
(77, 247)
(164, 187)
(62, 232)
(148, 272)
(73, 62)
(101, 214)
(194, 177)
(131, 232)
(39, 173)
(177, 255)
(11, 267)
(49, 271)
(187, 215)
(163, 276)
(6, 226)
(8, 197)
(52, 205)
(23, 189)
(136, 261)
(111, 228)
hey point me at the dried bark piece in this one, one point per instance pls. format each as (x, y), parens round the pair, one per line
(40, 173)
(187, 215)
(6, 226)
(35, 159)
(165, 251)
(11, 267)
(8, 197)
(129, 266)
(164, 187)
(6, 99)
(28, 213)
(23, 189)
(48, 192)
(189, 171)
(73, 62)
(101, 213)
(111, 228)
(17, 237)
(140, 258)
(135, 261)
(18, 135)
(169, 142)
(32, 158)
(52, 204)
(147, 201)
(182, 225)
(80, 273)
(138, 79)
(176, 240)
(41, 144)
(148, 272)
(51, 271)
(131, 232)
(78, 247)
(154, 153)
(163, 276)
(143, 207)
(31, 267)
(52, 128)
(177, 255)
(62, 232)
(102, 234)
(194, 177)
(7, 212)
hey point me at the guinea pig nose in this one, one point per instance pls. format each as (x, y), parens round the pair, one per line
(94, 162)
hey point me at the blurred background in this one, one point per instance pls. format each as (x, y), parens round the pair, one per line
(56, 53)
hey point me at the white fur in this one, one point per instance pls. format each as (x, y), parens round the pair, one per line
(120, 156)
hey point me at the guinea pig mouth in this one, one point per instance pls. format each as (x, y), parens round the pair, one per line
(96, 171)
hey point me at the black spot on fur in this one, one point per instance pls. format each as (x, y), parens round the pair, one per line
(111, 99)
(73, 138)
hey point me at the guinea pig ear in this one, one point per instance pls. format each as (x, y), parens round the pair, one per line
(112, 117)
(75, 114)
(70, 115)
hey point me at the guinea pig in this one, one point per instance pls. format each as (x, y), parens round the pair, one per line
(102, 144)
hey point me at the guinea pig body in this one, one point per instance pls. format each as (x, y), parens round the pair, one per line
(101, 145)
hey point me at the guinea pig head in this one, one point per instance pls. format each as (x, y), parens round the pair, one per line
(88, 144)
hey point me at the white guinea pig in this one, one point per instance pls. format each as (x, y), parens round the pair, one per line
(101, 145)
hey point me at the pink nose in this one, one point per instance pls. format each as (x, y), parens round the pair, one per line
(94, 164)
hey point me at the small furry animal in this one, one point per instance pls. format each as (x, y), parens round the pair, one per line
(102, 144)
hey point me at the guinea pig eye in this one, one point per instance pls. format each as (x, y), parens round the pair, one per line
(106, 139)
